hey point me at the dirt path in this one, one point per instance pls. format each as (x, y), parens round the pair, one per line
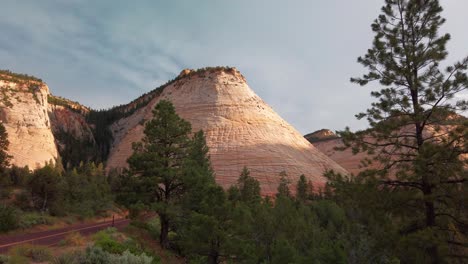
(52, 237)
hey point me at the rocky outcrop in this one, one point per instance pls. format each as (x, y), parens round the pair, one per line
(240, 128)
(74, 137)
(320, 135)
(69, 119)
(23, 111)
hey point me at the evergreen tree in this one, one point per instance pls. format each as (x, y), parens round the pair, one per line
(157, 163)
(45, 186)
(283, 187)
(4, 143)
(302, 189)
(4, 163)
(248, 187)
(422, 164)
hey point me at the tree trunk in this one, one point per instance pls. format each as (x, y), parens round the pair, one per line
(213, 257)
(44, 203)
(432, 251)
(164, 234)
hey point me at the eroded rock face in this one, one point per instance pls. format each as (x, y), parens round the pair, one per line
(67, 122)
(23, 111)
(240, 128)
(345, 158)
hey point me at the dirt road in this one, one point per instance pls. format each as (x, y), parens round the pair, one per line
(52, 237)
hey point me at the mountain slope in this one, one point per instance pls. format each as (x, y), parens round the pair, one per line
(23, 111)
(241, 130)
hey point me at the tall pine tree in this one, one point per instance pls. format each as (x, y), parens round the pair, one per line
(156, 164)
(414, 130)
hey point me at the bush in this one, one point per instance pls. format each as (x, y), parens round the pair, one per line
(106, 240)
(34, 253)
(3, 259)
(19, 176)
(23, 200)
(153, 226)
(8, 218)
(67, 258)
(74, 239)
(94, 255)
(129, 258)
(29, 220)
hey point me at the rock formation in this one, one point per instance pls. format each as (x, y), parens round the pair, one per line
(320, 135)
(345, 158)
(23, 111)
(241, 130)
(327, 142)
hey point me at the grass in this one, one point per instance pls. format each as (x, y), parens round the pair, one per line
(28, 252)
(73, 239)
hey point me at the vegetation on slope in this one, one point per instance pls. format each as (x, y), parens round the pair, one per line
(7, 75)
(101, 120)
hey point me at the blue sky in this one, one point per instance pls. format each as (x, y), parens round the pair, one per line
(297, 56)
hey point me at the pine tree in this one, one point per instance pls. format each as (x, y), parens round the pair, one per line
(4, 143)
(45, 187)
(283, 187)
(414, 130)
(5, 183)
(302, 189)
(249, 188)
(157, 163)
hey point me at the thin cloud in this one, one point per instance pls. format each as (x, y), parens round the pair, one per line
(297, 56)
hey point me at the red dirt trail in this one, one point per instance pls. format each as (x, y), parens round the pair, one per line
(52, 237)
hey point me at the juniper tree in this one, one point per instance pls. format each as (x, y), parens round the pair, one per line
(156, 164)
(415, 132)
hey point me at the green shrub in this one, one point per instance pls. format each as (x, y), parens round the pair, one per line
(28, 220)
(8, 218)
(106, 240)
(67, 258)
(19, 176)
(18, 260)
(73, 239)
(153, 226)
(129, 258)
(108, 244)
(96, 255)
(34, 253)
(3, 259)
(23, 200)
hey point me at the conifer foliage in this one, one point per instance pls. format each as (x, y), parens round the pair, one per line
(157, 163)
(415, 132)
(4, 143)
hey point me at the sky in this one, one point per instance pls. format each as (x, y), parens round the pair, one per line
(297, 55)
